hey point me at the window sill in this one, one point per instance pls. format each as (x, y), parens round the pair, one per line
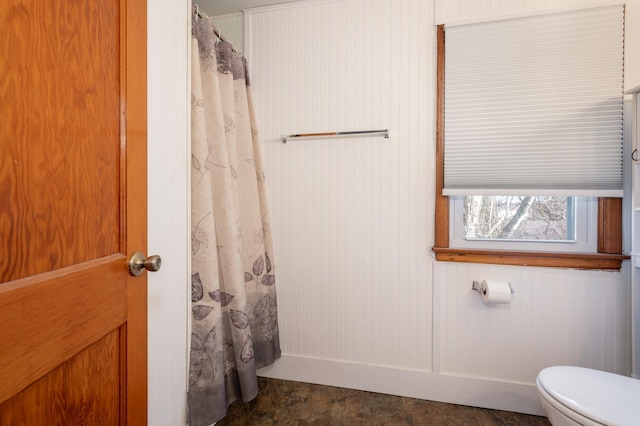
(515, 258)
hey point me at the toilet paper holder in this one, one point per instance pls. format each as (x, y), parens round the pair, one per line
(476, 286)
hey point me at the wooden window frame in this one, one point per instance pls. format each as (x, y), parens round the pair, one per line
(609, 255)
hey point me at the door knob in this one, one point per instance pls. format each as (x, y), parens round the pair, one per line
(138, 262)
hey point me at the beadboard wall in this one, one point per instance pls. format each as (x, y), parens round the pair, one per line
(350, 214)
(565, 317)
(362, 303)
(455, 11)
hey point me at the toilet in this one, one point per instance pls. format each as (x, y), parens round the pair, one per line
(582, 396)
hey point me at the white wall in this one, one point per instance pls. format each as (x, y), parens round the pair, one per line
(632, 53)
(231, 28)
(349, 214)
(168, 204)
(566, 317)
(362, 302)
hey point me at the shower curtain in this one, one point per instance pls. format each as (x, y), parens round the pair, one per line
(234, 313)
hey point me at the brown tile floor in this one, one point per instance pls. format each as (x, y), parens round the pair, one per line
(281, 402)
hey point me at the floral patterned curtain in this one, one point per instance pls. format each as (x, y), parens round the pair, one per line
(234, 313)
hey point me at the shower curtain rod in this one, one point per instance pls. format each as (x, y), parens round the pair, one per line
(284, 138)
(216, 31)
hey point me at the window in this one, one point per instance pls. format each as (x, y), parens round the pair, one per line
(534, 223)
(481, 220)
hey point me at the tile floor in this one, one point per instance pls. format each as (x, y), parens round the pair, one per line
(281, 402)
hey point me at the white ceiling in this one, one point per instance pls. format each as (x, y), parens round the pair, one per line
(223, 7)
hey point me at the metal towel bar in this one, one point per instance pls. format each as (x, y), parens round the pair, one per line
(385, 132)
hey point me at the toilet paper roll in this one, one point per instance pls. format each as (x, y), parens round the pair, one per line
(495, 291)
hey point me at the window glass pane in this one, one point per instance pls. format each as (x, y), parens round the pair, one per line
(538, 218)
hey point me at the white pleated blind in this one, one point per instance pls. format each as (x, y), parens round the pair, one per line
(533, 105)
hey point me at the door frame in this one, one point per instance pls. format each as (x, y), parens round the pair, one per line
(169, 107)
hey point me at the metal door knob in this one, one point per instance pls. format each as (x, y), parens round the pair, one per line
(138, 262)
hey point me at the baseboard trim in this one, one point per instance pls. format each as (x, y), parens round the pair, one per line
(475, 392)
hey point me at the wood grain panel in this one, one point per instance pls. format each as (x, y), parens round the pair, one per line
(58, 319)
(442, 202)
(52, 212)
(134, 202)
(545, 259)
(92, 400)
(73, 186)
(610, 225)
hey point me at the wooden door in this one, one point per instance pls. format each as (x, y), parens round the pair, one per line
(72, 210)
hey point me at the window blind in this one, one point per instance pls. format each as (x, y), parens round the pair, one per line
(533, 105)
